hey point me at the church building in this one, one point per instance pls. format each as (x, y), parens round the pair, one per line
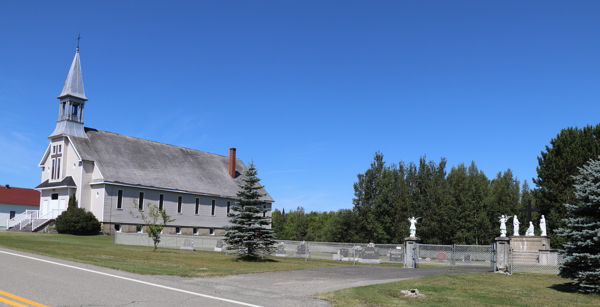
(114, 175)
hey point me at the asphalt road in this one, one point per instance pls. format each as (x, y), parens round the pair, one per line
(55, 282)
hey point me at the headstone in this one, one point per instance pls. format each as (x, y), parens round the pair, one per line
(302, 250)
(219, 246)
(281, 251)
(187, 245)
(467, 258)
(370, 254)
(396, 255)
(344, 252)
(441, 257)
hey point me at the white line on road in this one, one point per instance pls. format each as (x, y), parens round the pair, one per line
(135, 280)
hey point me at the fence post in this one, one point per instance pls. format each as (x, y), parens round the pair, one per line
(493, 258)
(453, 254)
(307, 251)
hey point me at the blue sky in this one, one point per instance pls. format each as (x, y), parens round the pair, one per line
(309, 90)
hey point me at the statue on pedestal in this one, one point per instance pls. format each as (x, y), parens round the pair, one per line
(413, 227)
(516, 226)
(530, 232)
(543, 226)
(503, 220)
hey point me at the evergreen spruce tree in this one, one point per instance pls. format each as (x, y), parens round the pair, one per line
(582, 250)
(247, 233)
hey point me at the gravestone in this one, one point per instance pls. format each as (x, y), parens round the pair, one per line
(281, 251)
(302, 250)
(467, 258)
(187, 245)
(396, 255)
(344, 252)
(219, 246)
(441, 257)
(370, 254)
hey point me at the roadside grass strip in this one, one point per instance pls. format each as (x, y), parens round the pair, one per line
(17, 300)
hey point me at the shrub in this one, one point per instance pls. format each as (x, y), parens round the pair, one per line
(76, 221)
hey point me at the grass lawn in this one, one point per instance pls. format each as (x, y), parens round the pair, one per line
(473, 289)
(101, 251)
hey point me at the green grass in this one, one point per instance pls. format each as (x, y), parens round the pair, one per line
(473, 289)
(101, 251)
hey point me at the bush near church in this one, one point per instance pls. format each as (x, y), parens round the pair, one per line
(76, 221)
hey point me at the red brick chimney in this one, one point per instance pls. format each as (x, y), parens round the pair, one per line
(232, 162)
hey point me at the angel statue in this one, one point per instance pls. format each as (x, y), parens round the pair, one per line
(503, 220)
(516, 226)
(413, 228)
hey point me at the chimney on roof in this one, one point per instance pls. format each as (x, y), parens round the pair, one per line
(7, 186)
(232, 162)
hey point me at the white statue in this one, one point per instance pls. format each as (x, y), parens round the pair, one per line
(503, 220)
(530, 232)
(413, 227)
(543, 226)
(516, 226)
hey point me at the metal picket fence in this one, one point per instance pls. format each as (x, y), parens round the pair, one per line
(535, 262)
(477, 255)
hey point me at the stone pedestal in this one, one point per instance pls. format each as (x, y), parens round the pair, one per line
(502, 250)
(533, 243)
(410, 260)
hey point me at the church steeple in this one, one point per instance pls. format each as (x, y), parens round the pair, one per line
(72, 100)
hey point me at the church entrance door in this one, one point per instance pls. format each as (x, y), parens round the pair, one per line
(53, 203)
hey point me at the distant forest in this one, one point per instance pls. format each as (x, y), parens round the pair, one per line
(461, 206)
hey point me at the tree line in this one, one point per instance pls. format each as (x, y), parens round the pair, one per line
(459, 206)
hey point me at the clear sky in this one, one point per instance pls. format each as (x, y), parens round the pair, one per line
(309, 90)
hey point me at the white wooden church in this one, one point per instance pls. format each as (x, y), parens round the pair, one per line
(108, 171)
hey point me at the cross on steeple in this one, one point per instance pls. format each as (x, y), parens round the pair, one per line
(78, 38)
(529, 210)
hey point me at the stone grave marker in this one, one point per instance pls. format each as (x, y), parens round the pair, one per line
(441, 257)
(187, 245)
(302, 250)
(219, 246)
(281, 251)
(370, 254)
(396, 255)
(467, 258)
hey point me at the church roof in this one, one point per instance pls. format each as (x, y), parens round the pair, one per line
(67, 182)
(74, 82)
(134, 161)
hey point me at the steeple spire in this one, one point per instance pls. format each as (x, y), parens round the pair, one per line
(74, 82)
(72, 101)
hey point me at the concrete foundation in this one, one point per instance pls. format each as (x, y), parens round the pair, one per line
(534, 243)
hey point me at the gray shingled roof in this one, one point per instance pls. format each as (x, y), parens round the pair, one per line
(67, 181)
(130, 160)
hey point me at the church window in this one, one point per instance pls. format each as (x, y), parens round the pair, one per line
(118, 227)
(141, 202)
(212, 231)
(120, 199)
(59, 148)
(214, 203)
(161, 202)
(58, 169)
(53, 164)
(53, 149)
(197, 206)
(178, 230)
(139, 228)
(228, 205)
(264, 210)
(179, 201)
(195, 230)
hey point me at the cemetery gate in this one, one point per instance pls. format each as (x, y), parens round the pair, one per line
(475, 255)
